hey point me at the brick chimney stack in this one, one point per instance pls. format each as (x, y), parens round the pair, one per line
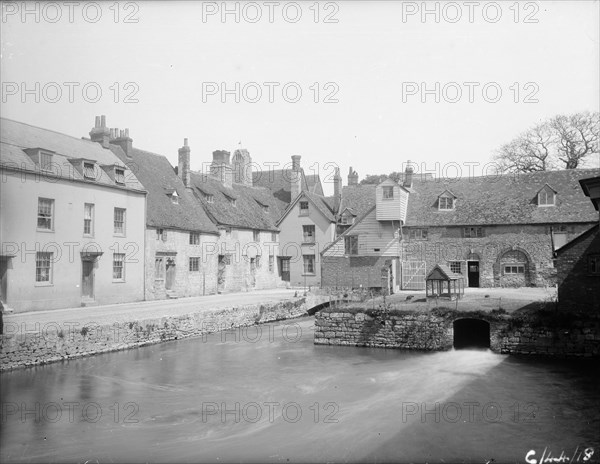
(183, 167)
(100, 133)
(121, 138)
(337, 188)
(408, 175)
(352, 177)
(242, 167)
(296, 177)
(221, 167)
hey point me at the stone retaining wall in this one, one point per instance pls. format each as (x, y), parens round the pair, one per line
(55, 344)
(431, 331)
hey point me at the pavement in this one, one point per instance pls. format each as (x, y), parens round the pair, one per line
(109, 314)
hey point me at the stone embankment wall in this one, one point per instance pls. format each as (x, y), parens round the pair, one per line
(55, 343)
(550, 334)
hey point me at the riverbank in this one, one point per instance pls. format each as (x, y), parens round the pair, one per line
(43, 337)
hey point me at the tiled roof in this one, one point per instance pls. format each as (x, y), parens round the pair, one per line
(277, 181)
(247, 212)
(17, 136)
(509, 199)
(445, 271)
(158, 177)
(577, 239)
(320, 202)
(358, 198)
(313, 183)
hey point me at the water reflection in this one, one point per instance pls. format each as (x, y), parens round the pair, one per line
(228, 399)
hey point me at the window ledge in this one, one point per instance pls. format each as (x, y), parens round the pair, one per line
(309, 275)
(46, 231)
(312, 242)
(43, 284)
(119, 281)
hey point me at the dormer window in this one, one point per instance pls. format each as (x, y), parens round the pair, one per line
(546, 196)
(89, 171)
(265, 208)
(232, 201)
(209, 198)
(41, 157)
(175, 198)
(120, 176)
(446, 202)
(45, 161)
(388, 192)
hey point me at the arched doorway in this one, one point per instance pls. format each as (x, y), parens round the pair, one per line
(514, 269)
(471, 333)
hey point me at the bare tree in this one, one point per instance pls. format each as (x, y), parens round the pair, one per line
(563, 142)
(576, 137)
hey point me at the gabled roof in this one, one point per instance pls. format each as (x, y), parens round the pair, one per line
(545, 186)
(157, 175)
(313, 183)
(444, 272)
(508, 199)
(447, 193)
(348, 231)
(17, 137)
(318, 201)
(247, 212)
(278, 182)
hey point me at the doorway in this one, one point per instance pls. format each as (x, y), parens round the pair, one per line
(87, 278)
(3, 278)
(170, 278)
(471, 333)
(284, 268)
(473, 273)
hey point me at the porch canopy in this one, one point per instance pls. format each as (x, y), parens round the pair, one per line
(441, 282)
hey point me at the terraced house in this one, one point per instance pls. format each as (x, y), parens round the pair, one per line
(312, 221)
(495, 232)
(245, 216)
(177, 231)
(72, 222)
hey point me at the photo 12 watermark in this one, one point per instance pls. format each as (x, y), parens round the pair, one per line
(69, 92)
(270, 12)
(470, 12)
(270, 92)
(70, 12)
(70, 411)
(271, 411)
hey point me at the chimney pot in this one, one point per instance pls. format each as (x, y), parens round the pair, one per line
(185, 142)
(103, 121)
(97, 123)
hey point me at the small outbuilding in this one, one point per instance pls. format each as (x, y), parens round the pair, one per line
(441, 282)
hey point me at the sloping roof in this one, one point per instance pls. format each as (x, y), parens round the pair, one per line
(350, 229)
(247, 213)
(313, 183)
(591, 188)
(278, 181)
(441, 270)
(581, 236)
(158, 177)
(509, 199)
(358, 198)
(319, 201)
(15, 137)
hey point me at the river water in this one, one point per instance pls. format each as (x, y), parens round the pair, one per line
(267, 394)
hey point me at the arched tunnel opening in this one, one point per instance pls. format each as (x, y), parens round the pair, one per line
(471, 333)
(316, 309)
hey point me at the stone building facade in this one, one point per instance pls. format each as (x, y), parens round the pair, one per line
(496, 232)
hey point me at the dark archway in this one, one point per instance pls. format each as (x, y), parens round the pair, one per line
(471, 333)
(316, 309)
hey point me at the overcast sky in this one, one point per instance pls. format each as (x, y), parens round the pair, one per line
(371, 62)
